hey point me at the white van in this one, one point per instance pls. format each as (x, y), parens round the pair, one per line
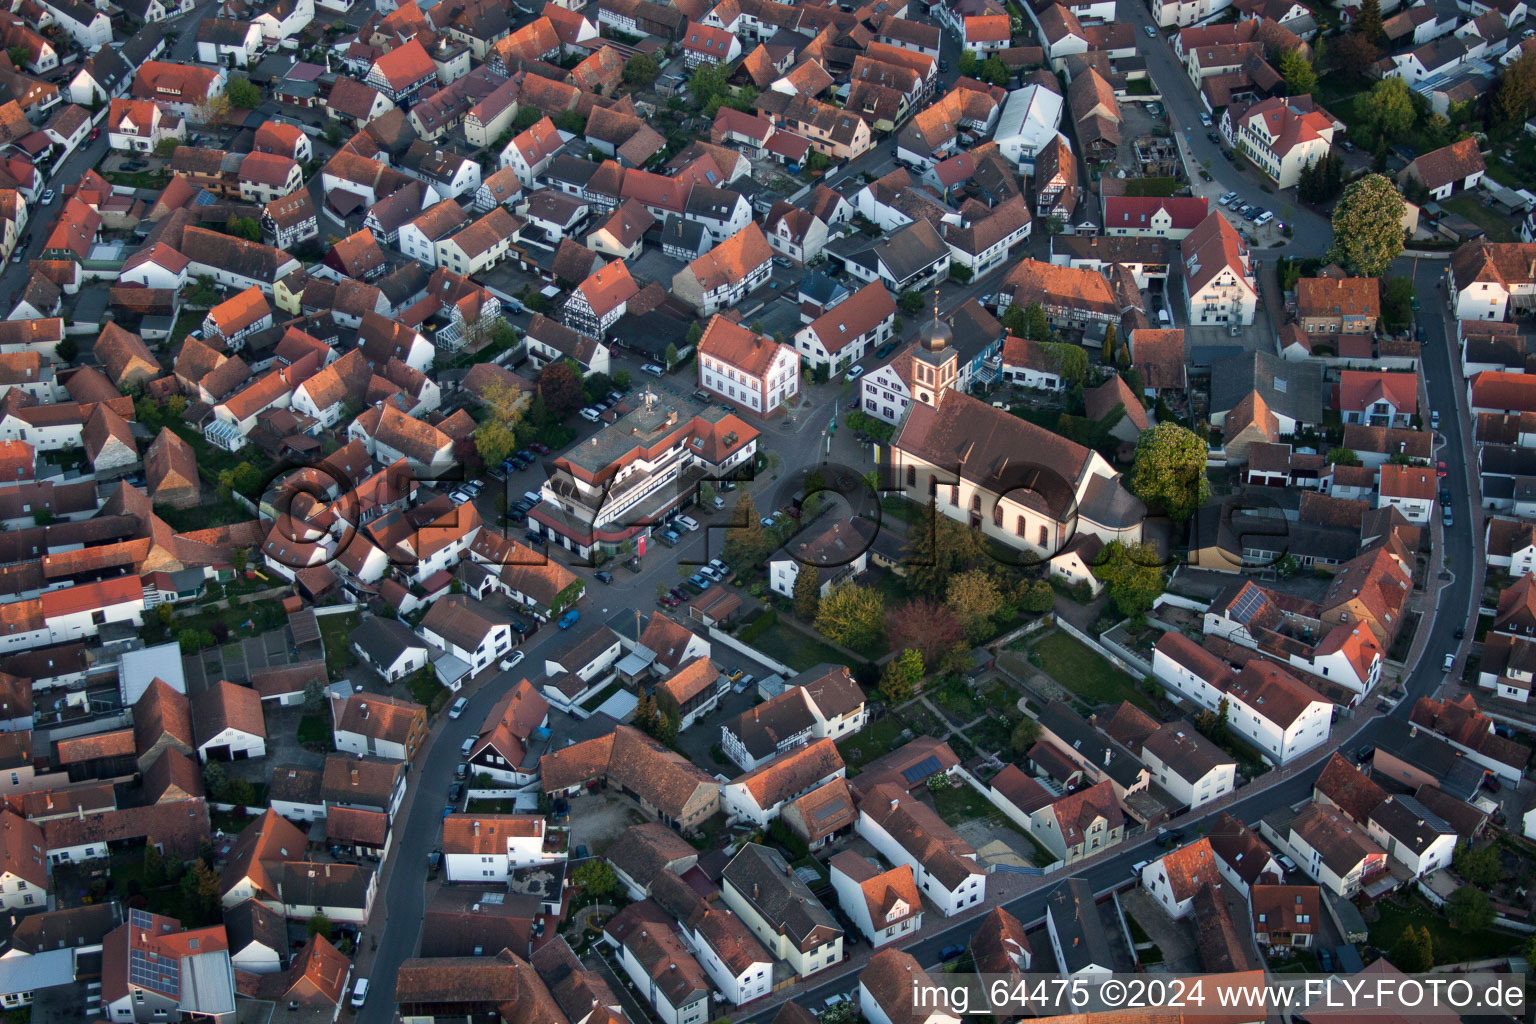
(469, 745)
(360, 992)
(591, 415)
(1163, 317)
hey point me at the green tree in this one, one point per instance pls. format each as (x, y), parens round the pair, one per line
(993, 71)
(1169, 471)
(1414, 951)
(320, 925)
(164, 614)
(853, 616)
(596, 878)
(243, 227)
(807, 592)
(242, 94)
(333, 133)
(1013, 320)
(167, 147)
(901, 677)
(1352, 52)
(938, 548)
(1469, 909)
(194, 640)
(975, 598)
(1024, 736)
(747, 542)
(911, 302)
(1071, 361)
(1388, 111)
(1039, 598)
(1343, 457)
(640, 70)
(647, 715)
(21, 56)
(154, 866)
(237, 557)
(1037, 323)
(816, 163)
(526, 118)
(1368, 225)
(1480, 866)
(1515, 98)
(496, 436)
(967, 63)
(671, 355)
(1368, 22)
(314, 695)
(1132, 575)
(1300, 79)
(710, 87)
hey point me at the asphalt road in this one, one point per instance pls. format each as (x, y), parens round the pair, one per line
(1312, 233)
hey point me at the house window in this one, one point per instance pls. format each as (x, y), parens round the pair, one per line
(997, 515)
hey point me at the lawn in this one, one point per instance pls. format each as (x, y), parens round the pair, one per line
(872, 741)
(958, 698)
(1466, 205)
(959, 802)
(316, 729)
(1451, 946)
(798, 650)
(1081, 670)
(427, 691)
(334, 631)
(597, 700)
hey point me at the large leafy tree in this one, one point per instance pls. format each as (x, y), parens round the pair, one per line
(746, 541)
(901, 677)
(640, 70)
(243, 94)
(1368, 21)
(1368, 226)
(926, 626)
(975, 598)
(1169, 472)
(1353, 51)
(1300, 79)
(1515, 99)
(938, 548)
(1414, 950)
(1132, 575)
(496, 436)
(853, 616)
(1469, 910)
(560, 387)
(807, 592)
(1388, 110)
(1071, 361)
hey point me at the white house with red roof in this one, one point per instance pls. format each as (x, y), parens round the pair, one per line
(402, 73)
(705, 45)
(1377, 398)
(885, 905)
(1409, 489)
(1153, 217)
(1282, 135)
(747, 368)
(1218, 284)
(530, 152)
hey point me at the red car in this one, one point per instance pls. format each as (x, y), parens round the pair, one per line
(1440, 470)
(95, 134)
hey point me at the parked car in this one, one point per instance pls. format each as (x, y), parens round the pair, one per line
(697, 583)
(687, 522)
(360, 992)
(709, 574)
(1205, 119)
(702, 396)
(1450, 662)
(458, 707)
(1325, 959)
(1434, 419)
(1136, 868)
(1440, 470)
(455, 791)
(467, 746)
(617, 396)
(532, 498)
(1445, 495)
(1226, 199)
(667, 537)
(854, 371)
(459, 497)
(734, 674)
(679, 593)
(669, 601)
(1263, 218)
(590, 414)
(512, 661)
(653, 370)
(569, 619)
(768, 522)
(48, 197)
(632, 564)
(538, 448)
(950, 952)
(719, 567)
(1150, 31)
(1448, 516)
(885, 350)
(603, 576)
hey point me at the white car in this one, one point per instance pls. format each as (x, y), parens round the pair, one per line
(1263, 218)
(1226, 200)
(719, 567)
(653, 370)
(458, 707)
(1205, 119)
(687, 522)
(469, 745)
(512, 661)
(360, 992)
(48, 197)
(590, 414)
(459, 497)
(854, 371)
(710, 574)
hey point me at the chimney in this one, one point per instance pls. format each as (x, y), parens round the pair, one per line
(1108, 753)
(354, 776)
(477, 828)
(895, 803)
(755, 890)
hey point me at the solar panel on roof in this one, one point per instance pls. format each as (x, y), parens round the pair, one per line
(1248, 605)
(922, 770)
(151, 970)
(140, 919)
